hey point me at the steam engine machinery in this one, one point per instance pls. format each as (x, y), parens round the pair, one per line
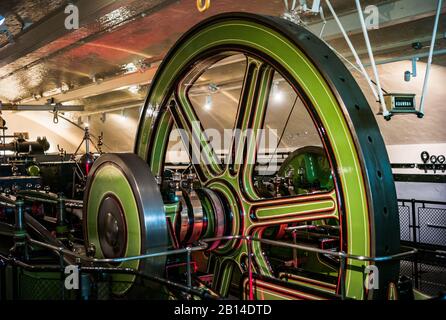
(319, 226)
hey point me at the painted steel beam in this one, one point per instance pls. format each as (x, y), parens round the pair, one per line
(135, 78)
(46, 107)
(390, 13)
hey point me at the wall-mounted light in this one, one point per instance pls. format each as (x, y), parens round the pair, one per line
(213, 87)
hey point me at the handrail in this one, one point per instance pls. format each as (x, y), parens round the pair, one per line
(62, 250)
(36, 195)
(340, 254)
(202, 245)
(423, 201)
(194, 291)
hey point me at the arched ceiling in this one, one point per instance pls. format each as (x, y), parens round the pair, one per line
(107, 64)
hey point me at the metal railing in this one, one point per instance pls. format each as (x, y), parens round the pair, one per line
(202, 245)
(414, 225)
(423, 226)
(340, 254)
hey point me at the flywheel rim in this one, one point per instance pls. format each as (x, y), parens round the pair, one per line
(339, 99)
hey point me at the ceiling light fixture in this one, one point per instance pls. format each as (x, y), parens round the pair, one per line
(133, 89)
(129, 68)
(123, 116)
(208, 104)
(88, 121)
(277, 93)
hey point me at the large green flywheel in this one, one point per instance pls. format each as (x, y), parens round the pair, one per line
(360, 197)
(124, 216)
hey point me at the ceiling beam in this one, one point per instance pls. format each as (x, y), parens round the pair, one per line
(107, 85)
(391, 13)
(45, 107)
(393, 46)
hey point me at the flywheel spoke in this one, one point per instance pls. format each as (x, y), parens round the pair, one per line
(254, 95)
(296, 209)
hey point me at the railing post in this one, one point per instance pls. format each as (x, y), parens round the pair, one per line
(61, 228)
(414, 224)
(294, 234)
(3, 265)
(62, 275)
(342, 275)
(414, 238)
(249, 244)
(188, 267)
(84, 285)
(19, 249)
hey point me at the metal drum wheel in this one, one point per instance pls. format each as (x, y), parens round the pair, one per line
(363, 199)
(124, 216)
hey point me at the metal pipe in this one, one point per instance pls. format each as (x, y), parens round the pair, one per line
(37, 107)
(112, 109)
(429, 61)
(372, 59)
(303, 227)
(6, 229)
(408, 57)
(203, 246)
(51, 197)
(309, 226)
(87, 140)
(6, 201)
(352, 49)
(19, 248)
(61, 228)
(43, 232)
(19, 212)
(414, 67)
(23, 146)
